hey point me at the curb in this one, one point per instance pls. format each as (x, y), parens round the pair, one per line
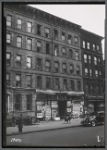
(43, 130)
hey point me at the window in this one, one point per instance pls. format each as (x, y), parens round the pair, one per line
(38, 46)
(69, 39)
(63, 36)
(85, 58)
(87, 89)
(29, 62)
(64, 68)
(48, 66)
(9, 20)
(29, 102)
(78, 85)
(65, 84)
(57, 84)
(56, 66)
(18, 80)
(77, 55)
(98, 48)
(47, 32)
(47, 48)
(29, 81)
(96, 73)
(76, 40)
(18, 60)
(18, 99)
(90, 72)
(39, 82)
(92, 89)
(48, 82)
(8, 38)
(29, 26)
(88, 45)
(63, 51)
(29, 44)
(72, 85)
(19, 23)
(8, 79)
(56, 50)
(86, 71)
(89, 59)
(93, 47)
(39, 64)
(78, 70)
(95, 60)
(83, 44)
(8, 58)
(55, 34)
(70, 53)
(99, 60)
(100, 73)
(19, 41)
(71, 68)
(38, 29)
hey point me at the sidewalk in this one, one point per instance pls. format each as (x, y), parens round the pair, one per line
(43, 126)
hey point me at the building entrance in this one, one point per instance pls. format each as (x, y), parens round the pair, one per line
(62, 108)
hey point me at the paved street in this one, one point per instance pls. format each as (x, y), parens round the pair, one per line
(77, 136)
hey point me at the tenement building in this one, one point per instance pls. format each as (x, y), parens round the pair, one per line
(93, 71)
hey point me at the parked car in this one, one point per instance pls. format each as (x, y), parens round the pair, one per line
(93, 119)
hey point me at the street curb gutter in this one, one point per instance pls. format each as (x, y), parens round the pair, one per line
(42, 130)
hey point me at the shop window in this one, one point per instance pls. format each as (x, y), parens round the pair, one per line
(71, 67)
(39, 45)
(47, 48)
(18, 80)
(48, 65)
(63, 51)
(56, 66)
(19, 23)
(29, 62)
(29, 102)
(69, 39)
(8, 58)
(85, 58)
(83, 44)
(56, 50)
(19, 41)
(78, 70)
(29, 81)
(71, 53)
(64, 68)
(18, 60)
(18, 100)
(88, 45)
(78, 85)
(93, 47)
(77, 55)
(55, 34)
(57, 84)
(65, 84)
(9, 20)
(29, 26)
(89, 59)
(8, 38)
(48, 82)
(72, 87)
(29, 44)
(86, 71)
(38, 29)
(47, 32)
(95, 60)
(63, 36)
(8, 79)
(39, 82)
(39, 64)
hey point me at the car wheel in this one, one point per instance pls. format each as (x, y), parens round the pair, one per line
(93, 124)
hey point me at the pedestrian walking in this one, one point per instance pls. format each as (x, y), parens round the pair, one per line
(20, 123)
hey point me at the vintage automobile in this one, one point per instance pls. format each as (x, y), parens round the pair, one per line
(93, 119)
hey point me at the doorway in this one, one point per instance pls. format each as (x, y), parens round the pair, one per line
(62, 108)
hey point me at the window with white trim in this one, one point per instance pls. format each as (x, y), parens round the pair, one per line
(88, 45)
(18, 80)
(29, 62)
(47, 32)
(83, 44)
(19, 23)
(19, 41)
(29, 44)
(9, 20)
(29, 26)
(85, 58)
(48, 65)
(8, 38)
